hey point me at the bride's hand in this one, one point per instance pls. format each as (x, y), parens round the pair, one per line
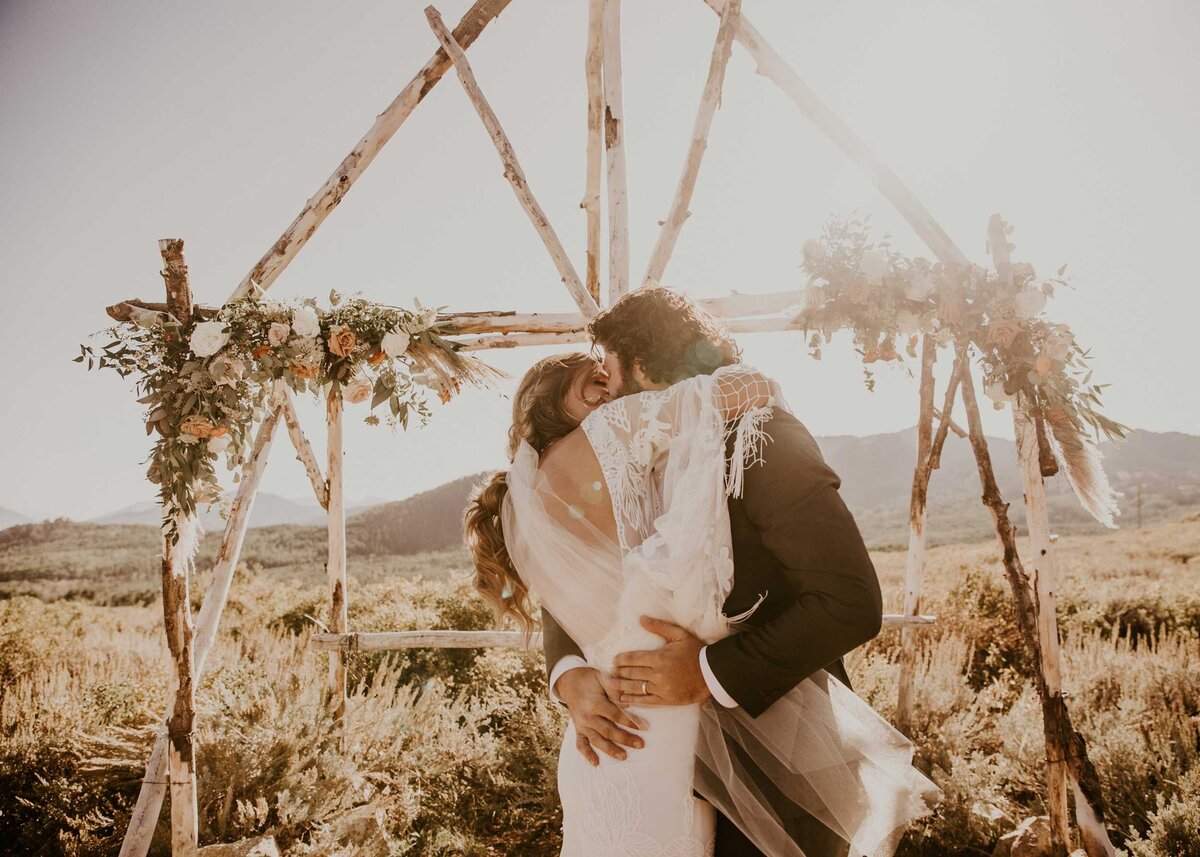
(598, 720)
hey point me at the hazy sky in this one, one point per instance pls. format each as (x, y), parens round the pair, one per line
(124, 122)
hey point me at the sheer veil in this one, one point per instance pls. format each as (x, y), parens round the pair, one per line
(819, 752)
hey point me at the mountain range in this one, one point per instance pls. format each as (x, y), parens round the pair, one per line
(1158, 471)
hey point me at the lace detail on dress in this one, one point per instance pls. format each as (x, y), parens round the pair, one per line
(626, 454)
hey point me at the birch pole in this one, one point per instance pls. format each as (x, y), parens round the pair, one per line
(614, 154)
(772, 66)
(917, 519)
(512, 168)
(336, 563)
(710, 100)
(144, 818)
(593, 74)
(1029, 445)
(325, 200)
(177, 560)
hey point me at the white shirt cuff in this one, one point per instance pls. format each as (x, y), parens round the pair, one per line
(565, 664)
(714, 687)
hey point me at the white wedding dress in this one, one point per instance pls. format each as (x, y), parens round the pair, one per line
(662, 454)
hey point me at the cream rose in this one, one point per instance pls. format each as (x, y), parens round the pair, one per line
(208, 338)
(306, 322)
(919, 287)
(277, 334)
(395, 342)
(1029, 302)
(358, 390)
(218, 444)
(875, 266)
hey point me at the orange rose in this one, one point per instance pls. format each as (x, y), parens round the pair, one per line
(377, 357)
(304, 370)
(219, 431)
(342, 340)
(260, 352)
(197, 426)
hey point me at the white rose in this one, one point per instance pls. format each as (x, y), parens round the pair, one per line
(208, 338)
(907, 322)
(218, 444)
(875, 266)
(395, 342)
(227, 370)
(814, 250)
(1029, 302)
(277, 334)
(306, 322)
(919, 287)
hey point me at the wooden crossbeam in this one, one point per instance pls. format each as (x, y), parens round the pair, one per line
(325, 200)
(512, 168)
(709, 101)
(389, 641)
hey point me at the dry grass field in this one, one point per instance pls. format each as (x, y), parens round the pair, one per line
(453, 752)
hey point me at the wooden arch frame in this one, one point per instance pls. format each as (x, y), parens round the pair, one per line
(171, 761)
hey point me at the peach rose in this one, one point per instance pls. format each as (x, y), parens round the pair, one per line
(1044, 364)
(1004, 331)
(358, 390)
(196, 426)
(307, 371)
(342, 340)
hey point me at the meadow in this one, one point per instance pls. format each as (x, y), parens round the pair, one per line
(453, 752)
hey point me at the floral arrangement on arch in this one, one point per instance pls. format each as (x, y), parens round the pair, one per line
(889, 301)
(205, 386)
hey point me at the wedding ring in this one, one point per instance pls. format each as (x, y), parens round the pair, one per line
(644, 688)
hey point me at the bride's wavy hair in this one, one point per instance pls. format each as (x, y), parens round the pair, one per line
(540, 417)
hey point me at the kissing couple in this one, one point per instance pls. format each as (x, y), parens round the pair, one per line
(699, 580)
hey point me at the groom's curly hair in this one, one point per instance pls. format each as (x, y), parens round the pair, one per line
(668, 333)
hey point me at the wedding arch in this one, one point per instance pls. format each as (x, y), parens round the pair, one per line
(210, 374)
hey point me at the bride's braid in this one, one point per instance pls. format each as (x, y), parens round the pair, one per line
(540, 417)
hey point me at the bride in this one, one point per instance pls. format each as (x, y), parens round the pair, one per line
(615, 509)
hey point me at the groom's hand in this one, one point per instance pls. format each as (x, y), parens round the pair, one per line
(667, 676)
(598, 720)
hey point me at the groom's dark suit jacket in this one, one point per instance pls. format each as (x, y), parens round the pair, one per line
(794, 539)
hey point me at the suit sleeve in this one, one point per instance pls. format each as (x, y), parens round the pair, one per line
(793, 502)
(556, 644)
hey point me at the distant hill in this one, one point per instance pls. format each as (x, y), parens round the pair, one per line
(876, 474)
(9, 518)
(428, 521)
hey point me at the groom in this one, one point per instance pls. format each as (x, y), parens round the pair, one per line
(796, 549)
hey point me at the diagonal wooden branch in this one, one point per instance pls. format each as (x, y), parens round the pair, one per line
(304, 450)
(772, 66)
(593, 73)
(512, 169)
(614, 153)
(709, 102)
(325, 200)
(945, 422)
